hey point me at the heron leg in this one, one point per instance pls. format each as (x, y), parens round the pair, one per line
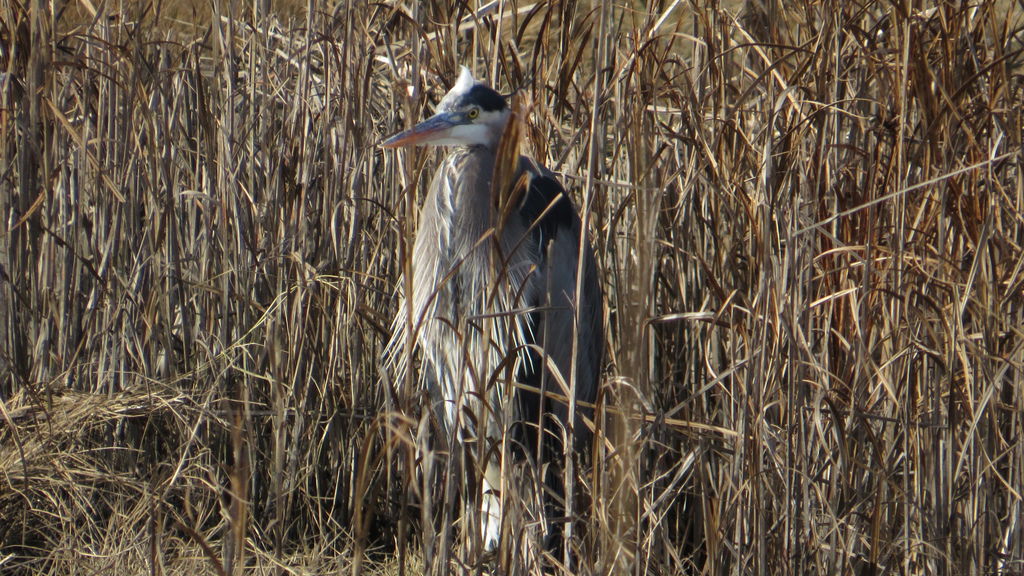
(490, 515)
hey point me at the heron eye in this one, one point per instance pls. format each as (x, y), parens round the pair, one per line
(473, 113)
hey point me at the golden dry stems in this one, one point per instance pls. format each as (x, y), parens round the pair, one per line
(807, 217)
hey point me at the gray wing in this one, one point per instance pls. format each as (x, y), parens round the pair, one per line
(554, 228)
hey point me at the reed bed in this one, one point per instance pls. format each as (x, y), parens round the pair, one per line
(808, 218)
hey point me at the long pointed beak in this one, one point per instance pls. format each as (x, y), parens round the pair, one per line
(434, 128)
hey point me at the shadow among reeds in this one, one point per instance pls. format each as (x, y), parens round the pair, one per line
(808, 223)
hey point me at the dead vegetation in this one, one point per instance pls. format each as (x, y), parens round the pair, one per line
(809, 223)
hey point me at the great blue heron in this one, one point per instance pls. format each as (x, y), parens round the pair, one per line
(492, 291)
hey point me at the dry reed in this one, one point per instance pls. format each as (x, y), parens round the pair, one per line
(808, 221)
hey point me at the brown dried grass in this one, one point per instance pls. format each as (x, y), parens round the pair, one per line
(809, 224)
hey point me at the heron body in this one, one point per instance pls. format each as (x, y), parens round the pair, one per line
(493, 296)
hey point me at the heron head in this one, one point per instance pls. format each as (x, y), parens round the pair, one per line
(470, 114)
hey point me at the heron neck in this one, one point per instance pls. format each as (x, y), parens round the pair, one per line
(488, 149)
